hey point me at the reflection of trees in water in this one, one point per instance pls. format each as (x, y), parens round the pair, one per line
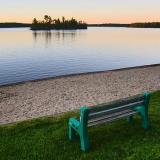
(48, 36)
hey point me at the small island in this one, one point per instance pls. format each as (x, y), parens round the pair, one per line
(48, 24)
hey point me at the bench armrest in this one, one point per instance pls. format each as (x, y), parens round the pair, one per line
(74, 123)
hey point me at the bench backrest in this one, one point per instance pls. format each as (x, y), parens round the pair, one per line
(98, 113)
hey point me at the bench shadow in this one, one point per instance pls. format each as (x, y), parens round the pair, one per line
(117, 133)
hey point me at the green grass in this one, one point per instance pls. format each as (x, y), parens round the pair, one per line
(46, 138)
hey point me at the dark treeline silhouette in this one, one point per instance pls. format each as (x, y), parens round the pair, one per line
(108, 25)
(145, 25)
(13, 24)
(134, 25)
(48, 23)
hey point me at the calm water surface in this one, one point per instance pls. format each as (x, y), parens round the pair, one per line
(27, 55)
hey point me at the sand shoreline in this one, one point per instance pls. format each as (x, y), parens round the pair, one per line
(52, 96)
(77, 74)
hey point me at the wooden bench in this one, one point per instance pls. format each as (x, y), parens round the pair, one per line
(108, 112)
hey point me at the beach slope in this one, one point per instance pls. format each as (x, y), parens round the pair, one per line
(57, 95)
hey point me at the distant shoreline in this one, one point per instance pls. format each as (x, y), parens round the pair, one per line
(132, 25)
(14, 25)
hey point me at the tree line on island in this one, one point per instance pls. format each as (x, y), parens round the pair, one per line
(48, 23)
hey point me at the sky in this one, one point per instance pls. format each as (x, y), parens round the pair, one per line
(90, 11)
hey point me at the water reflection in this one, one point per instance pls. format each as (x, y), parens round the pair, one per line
(49, 36)
(27, 55)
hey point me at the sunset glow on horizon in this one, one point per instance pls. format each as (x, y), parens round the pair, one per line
(95, 11)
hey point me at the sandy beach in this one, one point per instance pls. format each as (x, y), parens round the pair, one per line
(57, 95)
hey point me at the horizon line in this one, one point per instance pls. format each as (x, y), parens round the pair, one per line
(88, 23)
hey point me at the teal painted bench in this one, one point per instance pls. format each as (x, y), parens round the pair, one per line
(108, 112)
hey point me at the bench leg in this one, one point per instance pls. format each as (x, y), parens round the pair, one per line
(84, 141)
(144, 117)
(72, 133)
(145, 122)
(130, 119)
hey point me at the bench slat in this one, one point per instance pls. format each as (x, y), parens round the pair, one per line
(109, 115)
(114, 104)
(113, 118)
(114, 110)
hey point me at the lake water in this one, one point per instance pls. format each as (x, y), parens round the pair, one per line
(27, 55)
